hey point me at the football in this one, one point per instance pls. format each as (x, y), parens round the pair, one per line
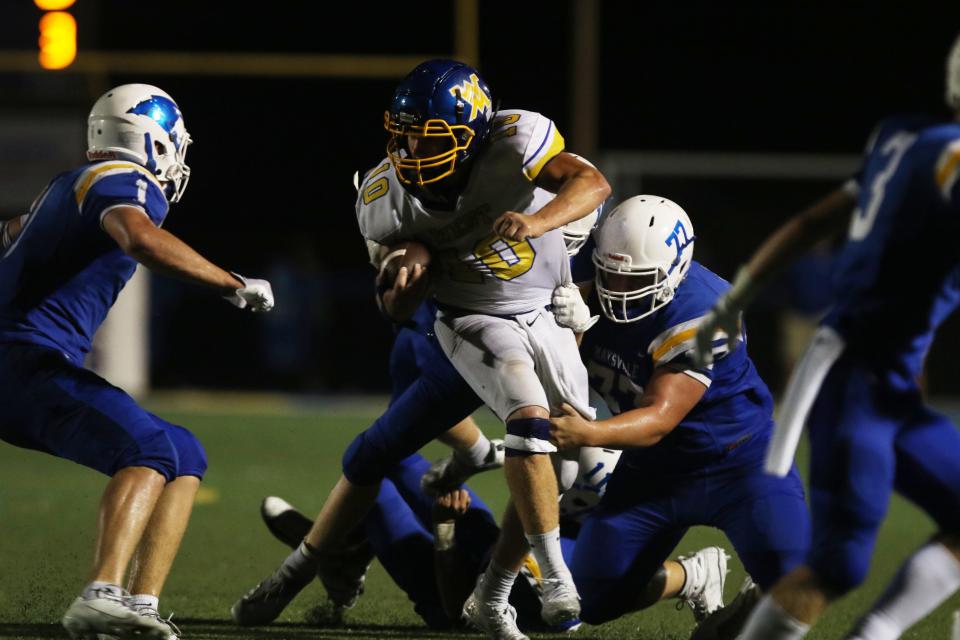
(404, 254)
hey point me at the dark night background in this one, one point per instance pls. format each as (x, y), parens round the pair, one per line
(271, 193)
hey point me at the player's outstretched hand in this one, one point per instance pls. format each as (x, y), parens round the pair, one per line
(451, 505)
(723, 319)
(256, 295)
(518, 226)
(570, 310)
(571, 430)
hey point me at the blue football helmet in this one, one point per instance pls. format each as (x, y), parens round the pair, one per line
(445, 109)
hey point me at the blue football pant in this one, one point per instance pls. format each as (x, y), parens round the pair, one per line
(868, 440)
(642, 519)
(51, 405)
(430, 397)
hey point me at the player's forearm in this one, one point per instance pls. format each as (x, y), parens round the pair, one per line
(643, 427)
(164, 253)
(580, 194)
(455, 580)
(824, 220)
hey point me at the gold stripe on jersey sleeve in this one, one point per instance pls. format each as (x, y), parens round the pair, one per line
(91, 175)
(949, 164)
(665, 348)
(556, 146)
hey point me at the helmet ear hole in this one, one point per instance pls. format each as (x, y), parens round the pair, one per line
(160, 148)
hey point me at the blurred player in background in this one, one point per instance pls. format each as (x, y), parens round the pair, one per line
(435, 550)
(693, 436)
(896, 281)
(488, 195)
(61, 268)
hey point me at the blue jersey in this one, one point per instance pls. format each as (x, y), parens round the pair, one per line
(736, 408)
(62, 274)
(895, 279)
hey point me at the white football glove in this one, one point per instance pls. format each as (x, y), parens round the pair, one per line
(570, 310)
(724, 317)
(256, 295)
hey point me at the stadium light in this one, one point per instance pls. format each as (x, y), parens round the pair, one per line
(53, 5)
(58, 40)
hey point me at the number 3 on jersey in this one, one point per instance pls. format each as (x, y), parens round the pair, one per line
(505, 259)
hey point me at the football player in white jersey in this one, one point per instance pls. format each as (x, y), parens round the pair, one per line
(487, 193)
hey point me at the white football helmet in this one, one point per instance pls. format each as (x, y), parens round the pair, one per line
(142, 124)
(649, 240)
(596, 465)
(953, 76)
(576, 233)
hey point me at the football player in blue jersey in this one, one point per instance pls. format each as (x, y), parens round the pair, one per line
(693, 436)
(62, 265)
(436, 550)
(871, 433)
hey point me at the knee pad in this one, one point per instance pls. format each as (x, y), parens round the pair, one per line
(527, 436)
(192, 456)
(153, 450)
(364, 463)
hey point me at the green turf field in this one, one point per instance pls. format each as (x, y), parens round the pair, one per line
(278, 446)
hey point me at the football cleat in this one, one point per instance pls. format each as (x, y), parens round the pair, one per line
(108, 613)
(263, 603)
(153, 614)
(706, 574)
(561, 602)
(342, 570)
(497, 622)
(287, 525)
(448, 473)
(728, 622)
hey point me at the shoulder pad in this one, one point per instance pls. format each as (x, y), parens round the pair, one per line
(379, 201)
(100, 170)
(532, 138)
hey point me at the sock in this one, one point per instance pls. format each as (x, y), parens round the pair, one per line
(497, 583)
(145, 601)
(301, 565)
(770, 622)
(549, 555)
(476, 455)
(692, 578)
(925, 580)
(90, 591)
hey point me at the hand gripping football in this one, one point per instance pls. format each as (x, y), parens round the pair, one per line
(403, 254)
